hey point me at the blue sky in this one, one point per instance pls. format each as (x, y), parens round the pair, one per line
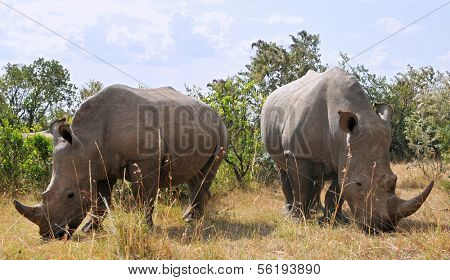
(193, 42)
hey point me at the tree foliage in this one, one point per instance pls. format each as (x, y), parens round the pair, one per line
(239, 99)
(237, 102)
(420, 98)
(34, 93)
(25, 162)
(31, 95)
(376, 87)
(274, 65)
(427, 122)
(379, 89)
(90, 88)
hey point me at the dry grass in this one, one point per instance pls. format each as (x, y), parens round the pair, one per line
(240, 225)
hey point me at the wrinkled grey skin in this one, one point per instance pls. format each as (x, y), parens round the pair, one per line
(122, 130)
(322, 127)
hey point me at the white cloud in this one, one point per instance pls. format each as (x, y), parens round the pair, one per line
(352, 35)
(282, 40)
(34, 44)
(136, 22)
(377, 57)
(282, 19)
(139, 30)
(444, 59)
(212, 1)
(156, 42)
(243, 48)
(391, 25)
(215, 27)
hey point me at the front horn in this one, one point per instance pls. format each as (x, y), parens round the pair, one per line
(406, 208)
(31, 213)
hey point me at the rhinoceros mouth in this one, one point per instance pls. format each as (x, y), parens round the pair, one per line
(378, 225)
(378, 229)
(59, 232)
(63, 230)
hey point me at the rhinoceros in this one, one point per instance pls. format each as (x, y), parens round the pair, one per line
(323, 127)
(154, 137)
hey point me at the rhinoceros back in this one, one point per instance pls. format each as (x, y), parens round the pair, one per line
(301, 117)
(286, 116)
(137, 124)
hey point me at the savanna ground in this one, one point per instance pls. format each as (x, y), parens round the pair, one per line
(240, 224)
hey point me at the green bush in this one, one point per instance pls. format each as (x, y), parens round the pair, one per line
(419, 96)
(427, 129)
(25, 162)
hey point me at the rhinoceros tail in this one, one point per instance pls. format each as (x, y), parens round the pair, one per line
(201, 182)
(209, 170)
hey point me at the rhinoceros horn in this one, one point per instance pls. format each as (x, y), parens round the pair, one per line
(406, 208)
(33, 214)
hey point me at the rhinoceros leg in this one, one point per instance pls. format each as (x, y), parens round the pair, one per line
(145, 181)
(287, 191)
(99, 209)
(199, 187)
(333, 204)
(300, 178)
(199, 195)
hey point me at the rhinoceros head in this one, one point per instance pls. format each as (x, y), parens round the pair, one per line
(66, 200)
(365, 174)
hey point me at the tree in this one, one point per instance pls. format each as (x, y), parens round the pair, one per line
(234, 100)
(239, 99)
(33, 93)
(4, 110)
(90, 88)
(421, 109)
(25, 162)
(409, 93)
(376, 86)
(379, 89)
(428, 117)
(273, 66)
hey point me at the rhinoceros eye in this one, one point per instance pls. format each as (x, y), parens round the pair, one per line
(359, 183)
(70, 195)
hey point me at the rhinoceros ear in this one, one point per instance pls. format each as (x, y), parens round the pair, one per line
(54, 127)
(347, 121)
(62, 129)
(66, 132)
(385, 111)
